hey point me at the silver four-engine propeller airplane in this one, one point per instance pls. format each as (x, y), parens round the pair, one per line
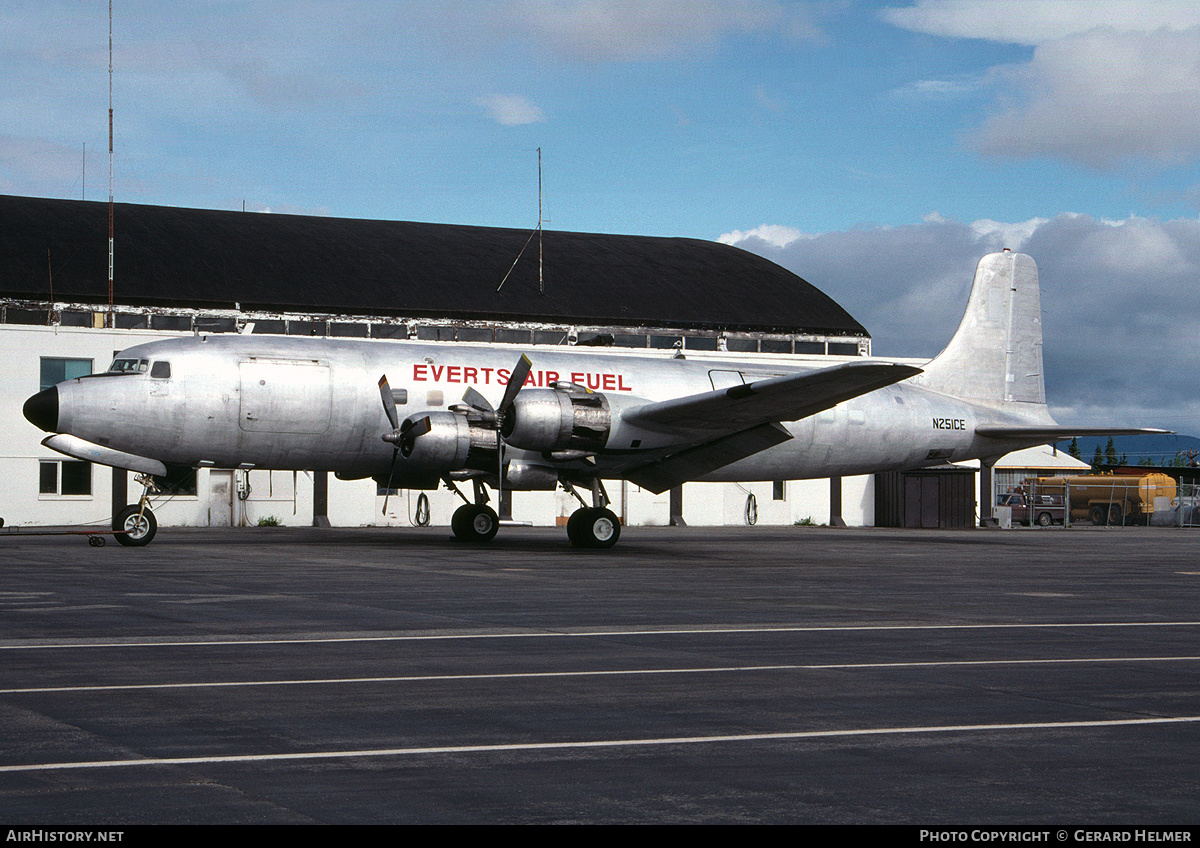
(569, 417)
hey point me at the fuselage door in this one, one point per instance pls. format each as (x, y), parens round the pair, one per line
(285, 396)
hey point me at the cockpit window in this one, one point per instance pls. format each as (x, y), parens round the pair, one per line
(161, 369)
(129, 366)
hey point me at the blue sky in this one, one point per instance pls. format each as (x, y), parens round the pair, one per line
(875, 148)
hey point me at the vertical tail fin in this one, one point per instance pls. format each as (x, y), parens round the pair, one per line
(996, 355)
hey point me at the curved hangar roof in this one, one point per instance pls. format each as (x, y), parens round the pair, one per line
(166, 256)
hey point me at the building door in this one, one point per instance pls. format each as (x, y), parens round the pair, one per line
(220, 498)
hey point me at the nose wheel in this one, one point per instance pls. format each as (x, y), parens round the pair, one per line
(135, 526)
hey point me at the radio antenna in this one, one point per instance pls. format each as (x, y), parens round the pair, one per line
(536, 232)
(541, 284)
(110, 166)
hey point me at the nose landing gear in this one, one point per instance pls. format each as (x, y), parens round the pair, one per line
(135, 525)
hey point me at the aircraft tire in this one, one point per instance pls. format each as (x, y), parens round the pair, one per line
(593, 528)
(475, 523)
(139, 526)
(573, 522)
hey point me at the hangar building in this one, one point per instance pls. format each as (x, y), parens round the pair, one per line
(184, 271)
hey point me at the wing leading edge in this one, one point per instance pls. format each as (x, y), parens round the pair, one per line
(730, 424)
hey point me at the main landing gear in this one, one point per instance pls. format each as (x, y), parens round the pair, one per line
(135, 525)
(595, 527)
(474, 522)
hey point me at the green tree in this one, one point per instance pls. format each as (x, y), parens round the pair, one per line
(1110, 453)
(1097, 459)
(1073, 449)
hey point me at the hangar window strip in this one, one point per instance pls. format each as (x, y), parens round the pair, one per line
(486, 332)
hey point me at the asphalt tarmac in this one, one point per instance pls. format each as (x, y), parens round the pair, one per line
(698, 675)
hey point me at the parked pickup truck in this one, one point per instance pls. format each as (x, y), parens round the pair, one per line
(1043, 509)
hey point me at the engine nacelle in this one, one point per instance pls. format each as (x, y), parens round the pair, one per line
(451, 443)
(558, 419)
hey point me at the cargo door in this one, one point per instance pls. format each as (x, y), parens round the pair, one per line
(285, 396)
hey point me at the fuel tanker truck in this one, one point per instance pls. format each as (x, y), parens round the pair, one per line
(1106, 498)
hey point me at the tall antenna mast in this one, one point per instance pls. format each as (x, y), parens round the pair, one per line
(110, 167)
(541, 284)
(537, 231)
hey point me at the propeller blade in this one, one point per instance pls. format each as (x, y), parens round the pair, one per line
(387, 493)
(515, 382)
(389, 402)
(473, 398)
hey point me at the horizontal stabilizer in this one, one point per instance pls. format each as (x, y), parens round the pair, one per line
(81, 449)
(787, 398)
(1058, 433)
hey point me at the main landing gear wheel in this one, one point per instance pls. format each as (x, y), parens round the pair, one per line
(135, 526)
(474, 523)
(591, 527)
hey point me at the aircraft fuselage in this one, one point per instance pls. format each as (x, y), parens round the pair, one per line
(313, 404)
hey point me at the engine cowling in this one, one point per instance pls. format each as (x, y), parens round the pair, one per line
(451, 443)
(558, 419)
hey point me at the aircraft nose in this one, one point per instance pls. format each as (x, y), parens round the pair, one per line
(42, 409)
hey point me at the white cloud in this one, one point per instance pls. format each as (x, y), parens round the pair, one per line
(1102, 97)
(772, 234)
(512, 110)
(1013, 236)
(1034, 22)
(639, 29)
(1120, 316)
(1107, 82)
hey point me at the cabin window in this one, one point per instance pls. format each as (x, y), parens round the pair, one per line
(56, 370)
(161, 369)
(65, 477)
(778, 490)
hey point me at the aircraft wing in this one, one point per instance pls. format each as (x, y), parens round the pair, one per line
(789, 398)
(731, 424)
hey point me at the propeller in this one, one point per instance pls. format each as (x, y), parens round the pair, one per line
(516, 382)
(489, 415)
(389, 407)
(404, 436)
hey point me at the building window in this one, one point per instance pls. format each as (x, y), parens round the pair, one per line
(778, 490)
(65, 477)
(180, 480)
(56, 370)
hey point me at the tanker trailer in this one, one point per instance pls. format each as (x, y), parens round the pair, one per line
(1107, 498)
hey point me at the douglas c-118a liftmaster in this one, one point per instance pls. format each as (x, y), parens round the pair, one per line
(543, 418)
